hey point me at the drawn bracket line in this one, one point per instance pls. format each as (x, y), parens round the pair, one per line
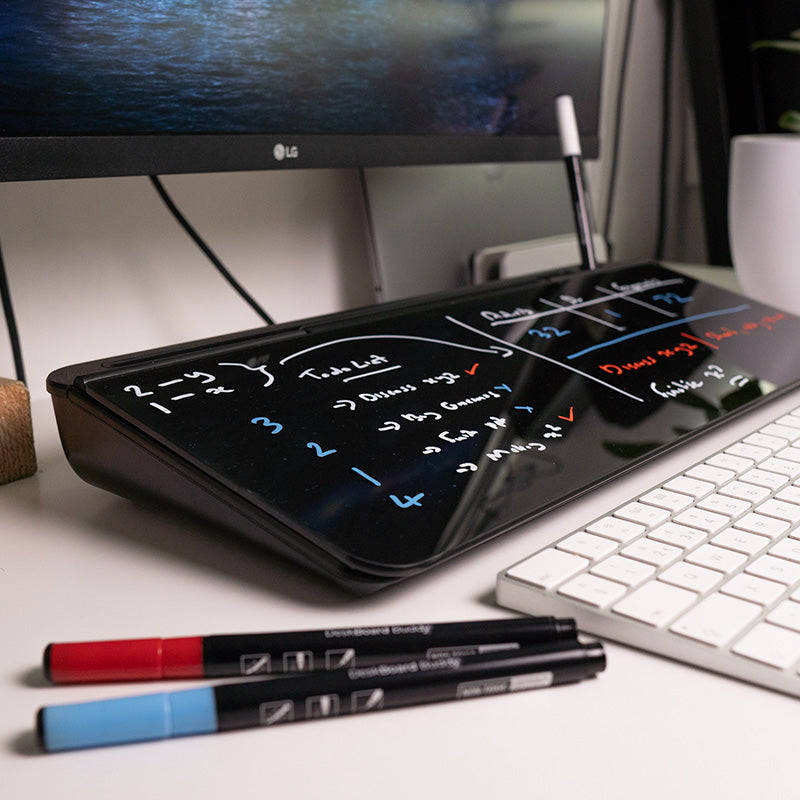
(386, 336)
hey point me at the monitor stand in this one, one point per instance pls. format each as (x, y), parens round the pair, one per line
(425, 222)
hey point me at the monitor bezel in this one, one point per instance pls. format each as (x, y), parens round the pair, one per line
(25, 158)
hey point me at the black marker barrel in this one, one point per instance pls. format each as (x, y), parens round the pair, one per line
(392, 685)
(269, 702)
(291, 651)
(337, 648)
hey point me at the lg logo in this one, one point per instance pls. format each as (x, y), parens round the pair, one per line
(282, 151)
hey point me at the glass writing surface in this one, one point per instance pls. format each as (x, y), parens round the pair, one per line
(400, 435)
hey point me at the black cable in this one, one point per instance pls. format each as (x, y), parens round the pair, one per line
(666, 124)
(611, 195)
(11, 323)
(196, 238)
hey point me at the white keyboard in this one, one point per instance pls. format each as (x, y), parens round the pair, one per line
(703, 567)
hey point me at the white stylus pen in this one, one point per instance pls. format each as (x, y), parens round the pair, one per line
(581, 204)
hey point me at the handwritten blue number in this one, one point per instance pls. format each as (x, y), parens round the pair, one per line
(409, 501)
(670, 297)
(267, 423)
(318, 450)
(547, 332)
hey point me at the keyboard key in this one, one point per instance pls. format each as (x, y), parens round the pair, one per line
(690, 486)
(664, 498)
(789, 420)
(652, 552)
(786, 614)
(771, 443)
(788, 432)
(655, 603)
(752, 588)
(588, 545)
(758, 523)
(678, 535)
(730, 461)
(717, 619)
(715, 475)
(619, 530)
(791, 469)
(745, 491)
(789, 454)
(624, 570)
(750, 451)
(761, 477)
(781, 510)
(642, 514)
(791, 494)
(771, 645)
(731, 507)
(776, 569)
(593, 590)
(741, 541)
(690, 576)
(718, 558)
(786, 548)
(548, 568)
(704, 520)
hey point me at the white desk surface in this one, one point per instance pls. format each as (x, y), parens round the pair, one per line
(79, 563)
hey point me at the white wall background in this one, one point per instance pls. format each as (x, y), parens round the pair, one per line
(99, 267)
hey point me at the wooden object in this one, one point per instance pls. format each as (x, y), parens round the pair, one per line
(17, 456)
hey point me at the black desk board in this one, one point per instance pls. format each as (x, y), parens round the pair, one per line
(373, 444)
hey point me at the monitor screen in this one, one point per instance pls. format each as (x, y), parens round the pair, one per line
(98, 87)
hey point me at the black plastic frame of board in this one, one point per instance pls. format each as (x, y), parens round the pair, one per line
(107, 451)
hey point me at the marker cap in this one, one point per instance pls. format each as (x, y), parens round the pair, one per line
(567, 126)
(124, 660)
(127, 719)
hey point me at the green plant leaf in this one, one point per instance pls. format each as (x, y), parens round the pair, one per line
(791, 46)
(790, 121)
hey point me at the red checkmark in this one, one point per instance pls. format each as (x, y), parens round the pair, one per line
(571, 415)
(472, 369)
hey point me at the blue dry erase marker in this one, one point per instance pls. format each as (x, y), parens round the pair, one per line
(327, 694)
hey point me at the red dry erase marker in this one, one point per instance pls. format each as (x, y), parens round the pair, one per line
(291, 651)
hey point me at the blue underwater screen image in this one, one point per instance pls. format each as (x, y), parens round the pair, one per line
(252, 66)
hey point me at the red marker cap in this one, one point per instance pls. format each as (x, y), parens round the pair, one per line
(124, 660)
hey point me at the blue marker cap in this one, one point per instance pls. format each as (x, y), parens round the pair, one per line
(127, 719)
